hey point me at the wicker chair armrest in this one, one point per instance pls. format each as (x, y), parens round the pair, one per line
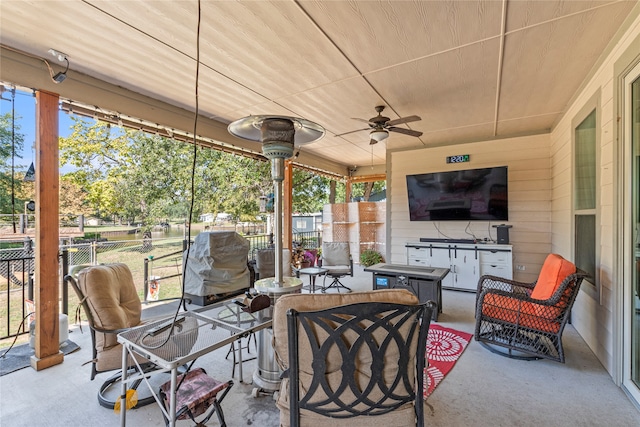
(495, 282)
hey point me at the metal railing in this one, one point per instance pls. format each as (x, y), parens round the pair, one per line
(157, 260)
(25, 222)
(16, 275)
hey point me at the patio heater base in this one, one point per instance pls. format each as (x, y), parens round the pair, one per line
(266, 378)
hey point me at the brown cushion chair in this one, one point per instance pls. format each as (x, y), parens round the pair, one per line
(343, 364)
(527, 319)
(111, 304)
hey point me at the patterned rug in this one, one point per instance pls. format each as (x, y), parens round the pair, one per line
(444, 347)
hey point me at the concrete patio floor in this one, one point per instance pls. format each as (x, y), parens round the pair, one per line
(483, 389)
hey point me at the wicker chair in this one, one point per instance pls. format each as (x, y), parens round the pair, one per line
(353, 359)
(527, 319)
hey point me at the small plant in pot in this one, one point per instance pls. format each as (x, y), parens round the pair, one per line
(302, 258)
(368, 257)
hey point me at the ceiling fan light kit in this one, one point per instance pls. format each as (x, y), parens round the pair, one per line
(381, 126)
(379, 135)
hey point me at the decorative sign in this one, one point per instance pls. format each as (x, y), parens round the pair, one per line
(461, 158)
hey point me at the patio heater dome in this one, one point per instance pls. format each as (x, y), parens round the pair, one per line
(278, 134)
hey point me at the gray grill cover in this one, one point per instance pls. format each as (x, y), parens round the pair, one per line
(217, 264)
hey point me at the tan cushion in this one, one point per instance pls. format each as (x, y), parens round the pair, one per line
(112, 295)
(311, 302)
(335, 253)
(114, 304)
(266, 263)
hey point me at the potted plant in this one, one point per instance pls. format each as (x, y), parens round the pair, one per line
(369, 257)
(302, 258)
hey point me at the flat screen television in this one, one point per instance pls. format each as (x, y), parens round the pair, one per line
(462, 195)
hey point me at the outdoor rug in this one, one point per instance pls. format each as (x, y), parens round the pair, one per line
(20, 356)
(444, 347)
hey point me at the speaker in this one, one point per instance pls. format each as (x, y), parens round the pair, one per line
(503, 233)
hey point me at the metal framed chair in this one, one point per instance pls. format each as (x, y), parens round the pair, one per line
(336, 258)
(111, 305)
(526, 320)
(266, 263)
(358, 364)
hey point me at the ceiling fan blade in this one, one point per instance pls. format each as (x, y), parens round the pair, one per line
(405, 131)
(352, 131)
(360, 120)
(401, 120)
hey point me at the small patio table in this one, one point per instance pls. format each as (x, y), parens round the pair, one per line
(196, 333)
(312, 272)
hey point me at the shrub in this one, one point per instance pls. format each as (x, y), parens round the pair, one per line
(368, 257)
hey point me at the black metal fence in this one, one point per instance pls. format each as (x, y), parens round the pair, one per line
(152, 262)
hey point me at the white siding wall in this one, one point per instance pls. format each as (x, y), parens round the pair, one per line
(593, 319)
(529, 197)
(540, 200)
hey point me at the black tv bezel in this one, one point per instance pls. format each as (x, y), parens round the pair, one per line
(505, 218)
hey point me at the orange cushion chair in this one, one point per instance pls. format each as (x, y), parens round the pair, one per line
(528, 318)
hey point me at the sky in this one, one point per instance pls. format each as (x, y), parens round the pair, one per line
(25, 109)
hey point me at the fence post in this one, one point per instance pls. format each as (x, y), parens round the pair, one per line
(65, 284)
(94, 253)
(146, 279)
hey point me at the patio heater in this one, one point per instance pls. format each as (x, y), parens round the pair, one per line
(278, 135)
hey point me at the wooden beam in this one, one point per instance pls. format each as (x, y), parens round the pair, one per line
(347, 190)
(369, 178)
(47, 346)
(287, 190)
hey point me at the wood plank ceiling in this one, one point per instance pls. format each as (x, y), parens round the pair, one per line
(473, 70)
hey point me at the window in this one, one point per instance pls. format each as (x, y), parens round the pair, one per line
(586, 194)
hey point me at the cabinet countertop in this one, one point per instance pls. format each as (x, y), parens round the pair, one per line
(431, 273)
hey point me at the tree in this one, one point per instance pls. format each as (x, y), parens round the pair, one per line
(310, 191)
(72, 198)
(11, 144)
(98, 154)
(147, 178)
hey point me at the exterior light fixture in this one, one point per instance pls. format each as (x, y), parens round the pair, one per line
(62, 57)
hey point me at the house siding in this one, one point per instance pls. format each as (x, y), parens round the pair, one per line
(529, 169)
(540, 200)
(594, 315)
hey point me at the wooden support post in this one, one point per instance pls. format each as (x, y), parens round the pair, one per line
(287, 235)
(47, 346)
(347, 191)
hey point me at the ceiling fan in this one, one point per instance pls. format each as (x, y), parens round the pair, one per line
(381, 126)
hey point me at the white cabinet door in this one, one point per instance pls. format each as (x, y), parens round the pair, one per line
(466, 270)
(440, 258)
